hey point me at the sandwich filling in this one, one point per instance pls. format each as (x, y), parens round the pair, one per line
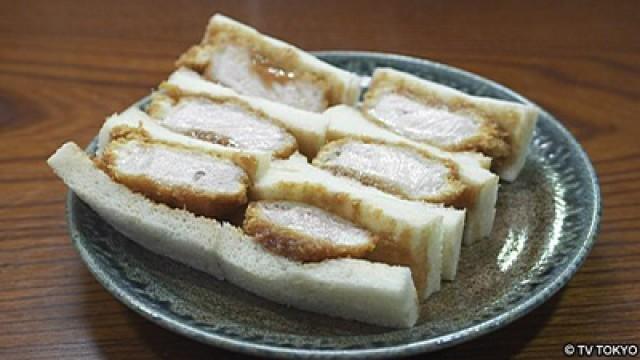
(241, 58)
(304, 232)
(250, 73)
(179, 177)
(436, 123)
(225, 122)
(396, 169)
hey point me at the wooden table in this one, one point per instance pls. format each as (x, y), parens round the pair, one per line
(65, 65)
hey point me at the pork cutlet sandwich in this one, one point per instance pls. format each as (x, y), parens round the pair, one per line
(352, 210)
(237, 56)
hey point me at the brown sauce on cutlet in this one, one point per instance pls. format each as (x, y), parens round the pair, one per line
(269, 72)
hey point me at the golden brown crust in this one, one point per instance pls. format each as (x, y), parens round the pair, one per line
(196, 58)
(453, 195)
(267, 60)
(208, 204)
(157, 107)
(171, 95)
(492, 139)
(296, 245)
(125, 133)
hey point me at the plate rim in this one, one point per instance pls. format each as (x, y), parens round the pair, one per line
(411, 348)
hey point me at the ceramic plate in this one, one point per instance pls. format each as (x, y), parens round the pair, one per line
(545, 225)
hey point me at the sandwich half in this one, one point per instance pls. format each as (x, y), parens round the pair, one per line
(444, 117)
(481, 185)
(408, 173)
(237, 56)
(227, 121)
(179, 177)
(133, 119)
(237, 112)
(354, 289)
(411, 233)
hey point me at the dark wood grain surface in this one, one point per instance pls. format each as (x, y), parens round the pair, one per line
(65, 65)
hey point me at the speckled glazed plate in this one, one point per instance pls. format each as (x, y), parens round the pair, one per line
(546, 224)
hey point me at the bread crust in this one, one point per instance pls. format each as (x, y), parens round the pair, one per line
(298, 245)
(454, 194)
(171, 95)
(210, 204)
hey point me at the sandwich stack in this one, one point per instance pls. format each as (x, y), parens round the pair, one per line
(255, 162)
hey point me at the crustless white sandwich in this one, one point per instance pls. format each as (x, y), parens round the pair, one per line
(255, 163)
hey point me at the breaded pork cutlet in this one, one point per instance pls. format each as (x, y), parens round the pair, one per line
(441, 116)
(237, 56)
(181, 178)
(306, 233)
(226, 121)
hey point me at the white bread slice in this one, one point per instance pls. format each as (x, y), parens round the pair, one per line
(251, 63)
(347, 122)
(308, 128)
(516, 120)
(253, 162)
(411, 232)
(352, 289)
